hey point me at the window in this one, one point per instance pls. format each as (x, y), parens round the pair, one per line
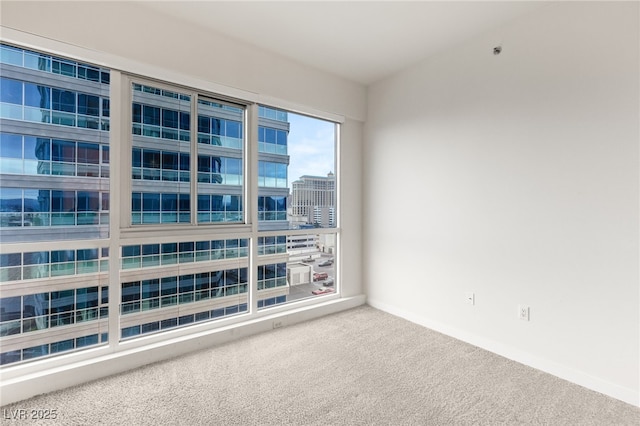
(162, 151)
(220, 197)
(188, 212)
(296, 265)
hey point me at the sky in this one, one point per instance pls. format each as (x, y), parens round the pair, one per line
(311, 147)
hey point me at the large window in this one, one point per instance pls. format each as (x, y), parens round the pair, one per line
(298, 264)
(202, 211)
(161, 151)
(220, 148)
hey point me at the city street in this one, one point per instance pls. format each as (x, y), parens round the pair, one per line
(303, 291)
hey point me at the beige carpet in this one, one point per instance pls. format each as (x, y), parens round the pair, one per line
(359, 367)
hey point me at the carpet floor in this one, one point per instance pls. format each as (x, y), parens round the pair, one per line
(358, 367)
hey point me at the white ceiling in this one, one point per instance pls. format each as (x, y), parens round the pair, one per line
(362, 41)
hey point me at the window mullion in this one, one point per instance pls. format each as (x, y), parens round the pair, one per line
(120, 188)
(251, 203)
(194, 158)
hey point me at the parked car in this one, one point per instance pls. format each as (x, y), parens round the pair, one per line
(327, 262)
(322, 290)
(308, 259)
(329, 282)
(319, 276)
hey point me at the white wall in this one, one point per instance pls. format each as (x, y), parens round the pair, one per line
(135, 32)
(516, 177)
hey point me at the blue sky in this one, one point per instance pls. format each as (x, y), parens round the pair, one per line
(311, 146)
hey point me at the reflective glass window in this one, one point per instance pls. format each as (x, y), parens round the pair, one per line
(63, 201)
(204, 124)
(37, 96)
(62, 150)
(35, 305)
(10, 200)
(37, 148)
(88, 153)
(63, 100)
(10, 308)
(151, 159)
(170, 118)
(170, 160)
(37, 200)
(88, 105)
(136, 157)
(150, 288)
(136, 113)
(10, 91)
(10, 145)
(184, 161)
(11, 55)
(150, 202)
(151, 115)
(86, 297)
(234, 129)
(62, 301)
(169, 286)
(88, 201)
(64, 67)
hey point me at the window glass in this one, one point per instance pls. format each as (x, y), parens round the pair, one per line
(88, 153)
(220, 159)
(10, 91)
(10, 146)
(37, 148)
(11, 55)
(304, 265)
(88, 105)
(37, 96)
(234, 129)
(63, 150)
(306, 172)
(151, 115)
(63, 100)
(160, 131)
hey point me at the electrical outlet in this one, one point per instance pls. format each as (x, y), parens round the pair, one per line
(277, 324)
(471, 298)
(523, 312)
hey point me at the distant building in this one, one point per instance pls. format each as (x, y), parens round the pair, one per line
(313, 201)
(327, 243)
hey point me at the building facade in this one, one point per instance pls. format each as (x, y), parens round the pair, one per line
(313, 200)
(54, 204)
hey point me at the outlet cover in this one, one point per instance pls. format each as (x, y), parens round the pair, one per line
(470, 297)
(523, 312)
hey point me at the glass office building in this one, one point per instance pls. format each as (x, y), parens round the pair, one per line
(54, 204)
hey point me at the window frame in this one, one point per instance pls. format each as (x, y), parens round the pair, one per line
(121, 232)
(126, 139)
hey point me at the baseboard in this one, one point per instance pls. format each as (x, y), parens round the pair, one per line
(627, 395)
(29, 385)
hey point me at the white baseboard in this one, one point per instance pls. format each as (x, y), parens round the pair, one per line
(624, 394)
(28, 385)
